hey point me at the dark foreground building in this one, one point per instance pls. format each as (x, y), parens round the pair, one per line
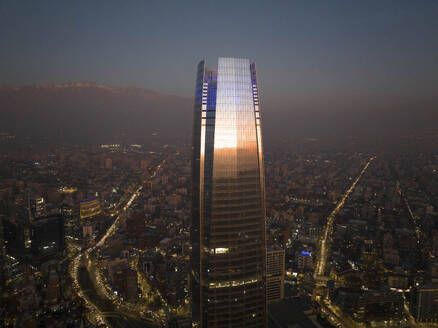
(47, 238)
(424, 303)
(228, 207)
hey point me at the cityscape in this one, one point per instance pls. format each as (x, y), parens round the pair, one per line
(237, 194)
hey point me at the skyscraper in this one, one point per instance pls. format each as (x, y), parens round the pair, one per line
(275, 268)
(228, 206)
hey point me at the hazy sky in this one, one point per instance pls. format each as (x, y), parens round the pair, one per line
(307, 52)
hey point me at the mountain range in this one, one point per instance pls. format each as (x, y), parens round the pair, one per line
(90, 112)
(86, 112)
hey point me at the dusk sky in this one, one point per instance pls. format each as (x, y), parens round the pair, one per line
(308, 53)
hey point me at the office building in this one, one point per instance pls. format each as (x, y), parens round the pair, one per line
(37, 207)
(228, 206)
(275, 268)
(304, 261)
(47, 238)
(90, 207)
(424, 303)
(370, 305)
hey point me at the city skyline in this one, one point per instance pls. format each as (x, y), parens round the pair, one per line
(140, 188)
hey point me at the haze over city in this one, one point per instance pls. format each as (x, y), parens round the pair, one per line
(360, 68)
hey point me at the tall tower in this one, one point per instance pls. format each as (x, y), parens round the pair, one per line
(228, 207)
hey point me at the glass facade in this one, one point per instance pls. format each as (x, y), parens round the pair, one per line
(228, 204)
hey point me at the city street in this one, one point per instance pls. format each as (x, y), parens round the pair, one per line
(324, 247)
(333, 313)
(105, 311)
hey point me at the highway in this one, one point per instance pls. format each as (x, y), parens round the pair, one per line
(103, 310)
(113, 227)
(333, 313)
(128, 204)
(415, 220)
(107, 310)
(325, 240)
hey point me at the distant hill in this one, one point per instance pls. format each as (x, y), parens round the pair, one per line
(89, 112)
(92, 113)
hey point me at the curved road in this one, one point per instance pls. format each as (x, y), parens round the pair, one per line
(107, 311)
